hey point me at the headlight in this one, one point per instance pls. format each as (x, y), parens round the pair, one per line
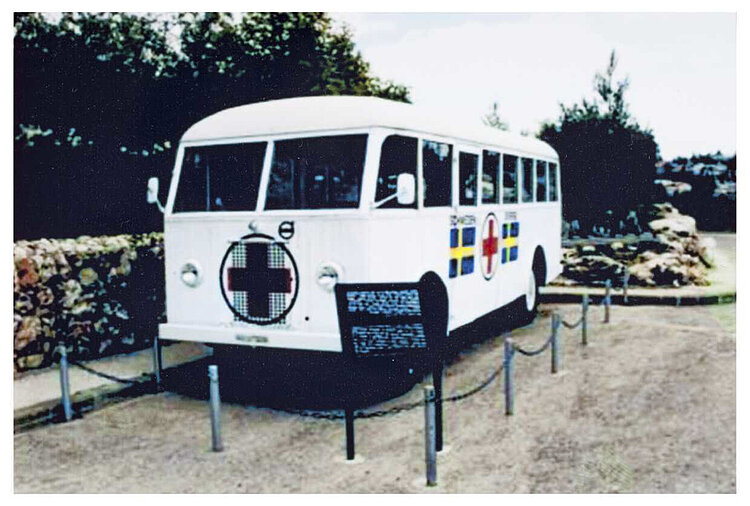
(328, 275)
(191, 274)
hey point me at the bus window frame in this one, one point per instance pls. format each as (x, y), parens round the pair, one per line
(474, 151)
(536, 181)
(380, 136)
(498, 176)
(453, 143)
(549, 186)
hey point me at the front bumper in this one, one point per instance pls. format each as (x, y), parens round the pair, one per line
(268, 338)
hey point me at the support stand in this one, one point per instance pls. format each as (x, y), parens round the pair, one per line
(349, 421)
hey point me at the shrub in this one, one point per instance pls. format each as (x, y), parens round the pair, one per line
(97, 295)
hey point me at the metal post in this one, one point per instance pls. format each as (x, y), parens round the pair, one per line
(625, 287)
(65, 383)
(584, 322)
(508, 353)
(215, 404)
(429, 436)
(607, 299)
(349, 421)
(555, 344)
(157, 363)
(437, 381)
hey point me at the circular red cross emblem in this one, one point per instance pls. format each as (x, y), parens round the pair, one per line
(259, 279)
(490, 238)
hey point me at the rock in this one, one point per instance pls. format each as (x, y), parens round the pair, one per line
(671, 254)
(706, 249)
(30, 361)
(663, 210)
(667, 269)
(680, 225)
(592, 269)
(588, 249)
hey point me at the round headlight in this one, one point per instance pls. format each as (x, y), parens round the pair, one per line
(191, 274)
(328, 275)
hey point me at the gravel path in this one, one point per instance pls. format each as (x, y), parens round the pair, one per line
(649, 406)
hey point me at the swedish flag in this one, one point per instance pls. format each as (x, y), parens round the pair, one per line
(510, 242)
(462, 241)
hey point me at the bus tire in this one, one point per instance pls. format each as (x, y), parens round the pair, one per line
(530, 297)
(534, 281)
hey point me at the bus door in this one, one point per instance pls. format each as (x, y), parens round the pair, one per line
(465, 277)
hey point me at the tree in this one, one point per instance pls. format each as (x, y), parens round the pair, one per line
(607, 159)
(101, 101)
(493, 119)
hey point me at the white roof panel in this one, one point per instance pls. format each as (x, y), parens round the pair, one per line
(308, 114)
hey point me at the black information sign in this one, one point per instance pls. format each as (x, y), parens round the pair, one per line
(395, 319)
(392, 319)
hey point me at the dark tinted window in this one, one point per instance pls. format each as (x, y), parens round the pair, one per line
(552, 182)
(490, 178)
(220, 178)
(510, 179)
(317, 173)
(541, 181)
(527, 180)
(399, 155)
(437, 160)
(468, 167)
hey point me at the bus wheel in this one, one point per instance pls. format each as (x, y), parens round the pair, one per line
(531, 296)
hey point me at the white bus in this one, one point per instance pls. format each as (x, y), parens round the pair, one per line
(272, 204)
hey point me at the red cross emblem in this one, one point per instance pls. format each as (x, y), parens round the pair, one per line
(490, 240)
(257, 279)
(258, 282)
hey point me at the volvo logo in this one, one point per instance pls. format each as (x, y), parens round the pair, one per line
(286, 230)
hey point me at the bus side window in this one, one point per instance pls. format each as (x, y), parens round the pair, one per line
(510, 179)
(552, 182)
(468, 166)
(527, 180)
(490, 180)
(398, 156)
(541, 181)
(437, 159)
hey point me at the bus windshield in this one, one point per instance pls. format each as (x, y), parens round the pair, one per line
(222, 177)
(317, 173)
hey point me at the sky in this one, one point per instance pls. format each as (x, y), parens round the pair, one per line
(681, 67)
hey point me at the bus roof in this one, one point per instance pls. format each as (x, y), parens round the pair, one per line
(307, 114)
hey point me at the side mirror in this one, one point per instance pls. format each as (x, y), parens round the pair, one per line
(152, 192)
(406, 189)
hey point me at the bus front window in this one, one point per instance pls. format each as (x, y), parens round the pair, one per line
(220, 177)
(317, 173)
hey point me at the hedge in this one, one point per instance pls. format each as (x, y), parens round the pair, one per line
(97, 295)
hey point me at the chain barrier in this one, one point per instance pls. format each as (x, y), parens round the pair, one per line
(339, 414)
(124, 381)
(572, 325)
(531, 353)
(476, 389)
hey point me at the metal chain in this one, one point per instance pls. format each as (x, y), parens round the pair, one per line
(339, 415)
(104, 375)
(571, 325)
(533, 352)
(477, 389)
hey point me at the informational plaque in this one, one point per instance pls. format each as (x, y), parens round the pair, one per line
(394, 320)
(389, 319)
